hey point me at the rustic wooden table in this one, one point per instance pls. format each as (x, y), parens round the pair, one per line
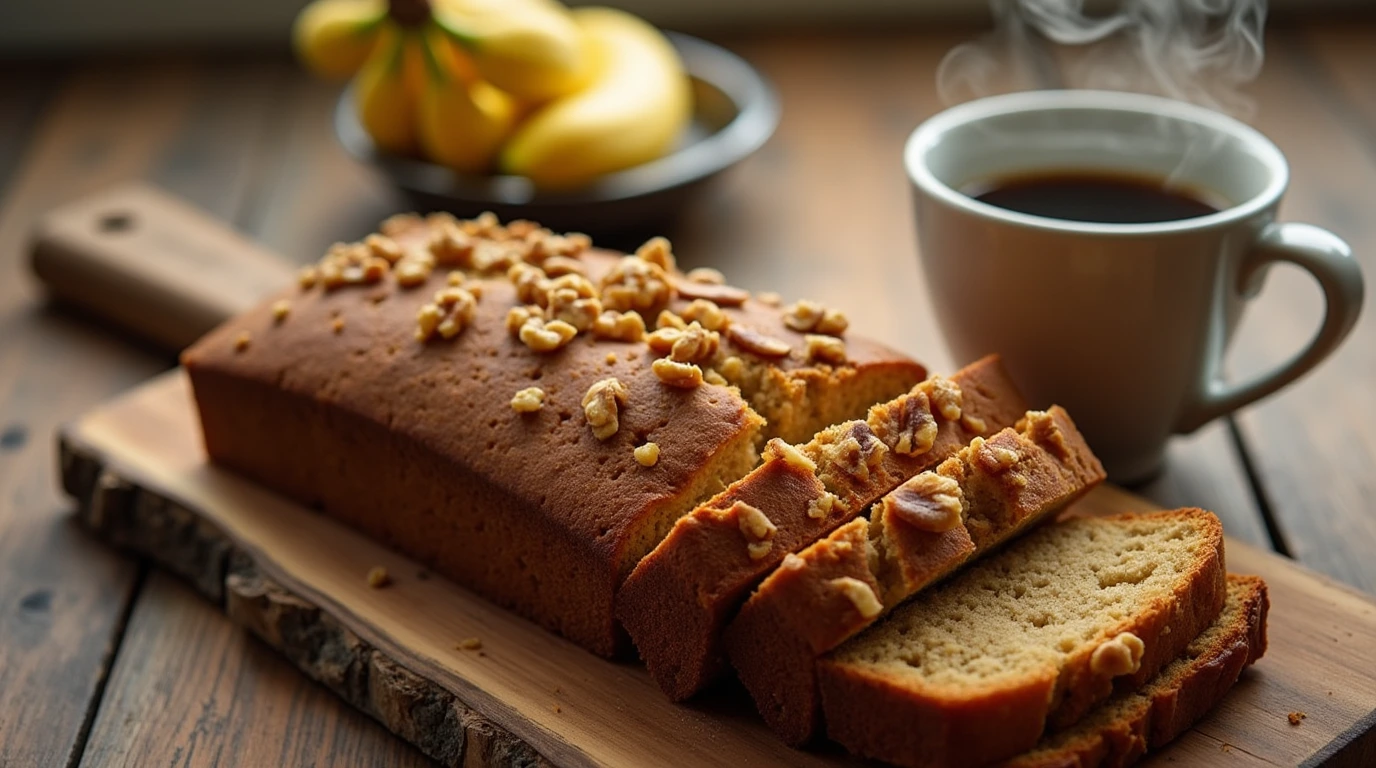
(103, 661)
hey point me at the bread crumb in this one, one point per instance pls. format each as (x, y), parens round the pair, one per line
(528, 400)
(469, 644)
(556, 709)
(611, 358)
(280, 309)
(338, 325)
(647, 454)
(1296, 717)
(378, 578)
(241, 341)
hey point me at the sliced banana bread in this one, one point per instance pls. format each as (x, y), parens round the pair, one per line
(975, 670)
(677, 600)
(424, 386)
(923, 530)
(1119, 731)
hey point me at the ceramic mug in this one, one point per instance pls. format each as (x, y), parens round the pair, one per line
(1123, 324)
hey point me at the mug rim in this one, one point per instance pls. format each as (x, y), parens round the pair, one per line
(925, 136)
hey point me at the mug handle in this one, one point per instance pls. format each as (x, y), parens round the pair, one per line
(1323, 255)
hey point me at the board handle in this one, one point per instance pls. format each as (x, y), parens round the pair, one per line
(152, 264)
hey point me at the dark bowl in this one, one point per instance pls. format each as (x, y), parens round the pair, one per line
(734, 112)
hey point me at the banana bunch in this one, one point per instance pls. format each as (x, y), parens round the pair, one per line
(526, 87)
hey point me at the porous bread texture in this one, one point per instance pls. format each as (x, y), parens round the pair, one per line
(356, 401)
(794, 615)
(1121, 730)
(679, 597)
(975, 670)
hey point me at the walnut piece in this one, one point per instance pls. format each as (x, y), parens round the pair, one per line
(928, 502)
(452, 310)
(694, 344)
(383, 247)
(820, 507)
(351, 264)
(669, 319)
(706, 275)
(711, 316)
(721, 295)
(581, 313)
(755, 342)
(619, 326)
(556, 266)
(677, 374)
(546, 336)
(518, 316)
(993, 458)
(601, 407)
(528, 400)
(778, 449)
(809, 316)
(1120, 656)
(280, 309)
(860, 594)
(1041, 428)
(827, 349)
(412, 272)
(647, 455)
(756, 527)
(659, 252)
(907, 425)
(769, 298)
(307, 277)
(945, 396)
(858, 453)
(634, 283)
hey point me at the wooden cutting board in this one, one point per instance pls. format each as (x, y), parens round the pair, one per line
(297, 580)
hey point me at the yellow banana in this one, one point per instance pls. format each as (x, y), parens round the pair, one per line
(529, 48)
(334, 37)
(635, 107)
(388, 88)
(463, 120)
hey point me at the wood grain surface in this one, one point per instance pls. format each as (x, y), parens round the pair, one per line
(247, 139)
(569, 706)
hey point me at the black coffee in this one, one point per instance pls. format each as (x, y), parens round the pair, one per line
(1088, 196)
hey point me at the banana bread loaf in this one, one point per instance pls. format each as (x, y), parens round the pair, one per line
(920, 532)
(1027, 640)
(424, 386)
(1119, 731)
(679, 597)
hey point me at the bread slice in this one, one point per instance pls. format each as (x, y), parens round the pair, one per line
(677, 600)
(977, 669)
(991, 491)
(336, 394)
(1122, 729)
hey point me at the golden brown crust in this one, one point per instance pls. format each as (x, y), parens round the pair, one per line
(1119, 731)
(892, 719)
(466, 488)
(677, 600)
(1055, 468)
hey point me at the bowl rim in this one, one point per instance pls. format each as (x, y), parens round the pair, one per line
(755, 121)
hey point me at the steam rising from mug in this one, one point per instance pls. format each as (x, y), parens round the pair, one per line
(1200, 51)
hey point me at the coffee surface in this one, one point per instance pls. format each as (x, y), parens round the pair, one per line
(1097, 197)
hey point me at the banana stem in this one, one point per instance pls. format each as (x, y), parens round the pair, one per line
(409, 13)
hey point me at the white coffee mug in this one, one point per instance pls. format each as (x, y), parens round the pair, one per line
(1123, 324)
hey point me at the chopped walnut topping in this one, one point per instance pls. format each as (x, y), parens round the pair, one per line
(1120, 656)
(793, 563)
(528, 400)
(452, 310)
(662, 340)
(306, 278)
(706, 275)
(412, 272)
(827, 349)
(710, 376)
(484, 224)
(668, 319)
(993, 458)
(858, 453)
(377, 577)
(753, 341)
(383, 247)
(494, 256)
(647, 455)
(733, 368)
(635, 283)
(338, 325)
(280, 309)
(973, 423)
(532, 285)
(517, 317)
(555, 266)
(907, 426)
(694, 344)
(756, 527)
(581, 313)
(601, 405)
(860, 594)
(546, 336)
(621, 326)
(928, 502)
(455, 279)
(711, 316)
(395, 225)
(657, 251)
(777, 448)
(351, 264)
(820, 507)
(241, 341)
(945, 396)
(769, 298)
(721, 295)
(676, 374)
(450, 246)
(1042, 429)
(809, 316)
